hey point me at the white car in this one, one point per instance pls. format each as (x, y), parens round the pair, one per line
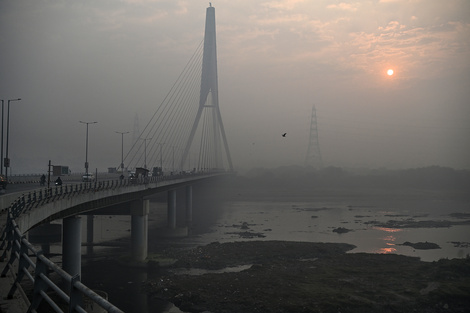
(88, 178)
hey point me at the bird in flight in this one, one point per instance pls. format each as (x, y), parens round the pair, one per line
(284, 135)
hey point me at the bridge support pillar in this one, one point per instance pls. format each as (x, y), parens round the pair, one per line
(189, 207)
(139, 229)
(171, 209)
(89, 233)
(71, 245)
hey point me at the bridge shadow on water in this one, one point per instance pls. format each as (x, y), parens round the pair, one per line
(123, 285)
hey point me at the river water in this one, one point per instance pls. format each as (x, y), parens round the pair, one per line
(285, 218)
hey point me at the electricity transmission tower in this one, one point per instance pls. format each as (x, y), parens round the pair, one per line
(313, 157)
(209, 86)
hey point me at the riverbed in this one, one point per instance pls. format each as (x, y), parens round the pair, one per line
(378, 223)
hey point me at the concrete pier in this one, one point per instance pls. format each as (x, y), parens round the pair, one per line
(171, 209)
(139, 229)
(89, 233)
(189, 207)
(71, 245)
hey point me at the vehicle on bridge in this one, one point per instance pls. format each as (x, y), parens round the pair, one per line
(132, 177)
(157, 171)
(88, 177)
(141, 172)
(58, 181)
(3, 182)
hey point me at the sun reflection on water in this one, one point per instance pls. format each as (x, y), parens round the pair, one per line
(388, 240)
(389, 230)
(386, 250)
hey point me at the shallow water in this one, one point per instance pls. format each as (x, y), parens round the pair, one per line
(200, 271)
(310, 222)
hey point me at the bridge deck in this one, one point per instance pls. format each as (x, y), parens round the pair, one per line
(31, 209)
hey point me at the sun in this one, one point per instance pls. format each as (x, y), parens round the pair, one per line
(390, 72)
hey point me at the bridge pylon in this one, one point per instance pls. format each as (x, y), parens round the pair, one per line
(209, 99)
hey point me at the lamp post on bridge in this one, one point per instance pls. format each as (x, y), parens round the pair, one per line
(90, 217)
(6, 161)
(122, 149)
(161, 156)
(173, 150)
(86, 149)
(145, 151)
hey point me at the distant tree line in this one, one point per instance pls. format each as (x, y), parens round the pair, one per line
(431, 177)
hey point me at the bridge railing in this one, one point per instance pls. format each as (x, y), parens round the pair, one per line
(18, 250)
(39, 197)
(22, 253)
(31, 261)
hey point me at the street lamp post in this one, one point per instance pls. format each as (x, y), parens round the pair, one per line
(6, 162)
(86, 149)
(161, 156)
(145, 151)
(122, 149)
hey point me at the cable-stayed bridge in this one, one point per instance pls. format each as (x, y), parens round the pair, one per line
(185, 133)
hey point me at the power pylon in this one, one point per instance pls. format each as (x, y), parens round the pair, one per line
(209, 85)
(313, 157)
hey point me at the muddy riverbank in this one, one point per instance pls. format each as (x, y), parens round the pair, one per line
(310, 277)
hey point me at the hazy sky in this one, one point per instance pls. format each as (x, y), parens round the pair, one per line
(110, 61)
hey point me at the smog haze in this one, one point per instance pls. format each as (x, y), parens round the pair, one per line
(114, 62)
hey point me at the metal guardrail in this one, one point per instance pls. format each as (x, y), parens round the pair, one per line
(46, 195)
(31, 261)
(32, 264)
(40, 197)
